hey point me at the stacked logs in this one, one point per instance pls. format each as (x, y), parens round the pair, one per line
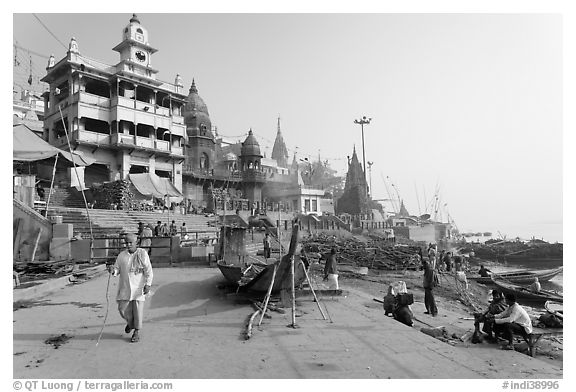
(373, 253)
(113, 195)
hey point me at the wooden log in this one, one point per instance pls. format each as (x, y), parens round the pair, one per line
(250, 324)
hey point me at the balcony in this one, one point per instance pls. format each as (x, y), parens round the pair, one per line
(144, 142)
(212, 174)
(252, 175)
(122, 139)
(162, 145)
(93, 99)
(89, 137)
(177, 150)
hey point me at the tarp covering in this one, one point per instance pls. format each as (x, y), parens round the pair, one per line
(27, 146)
(149, 184)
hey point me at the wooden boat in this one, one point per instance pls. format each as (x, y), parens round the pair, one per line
(523, 292)
(256, 274)
(555, 308)
(519, 276)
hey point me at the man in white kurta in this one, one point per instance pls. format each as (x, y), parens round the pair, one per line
(135, 271)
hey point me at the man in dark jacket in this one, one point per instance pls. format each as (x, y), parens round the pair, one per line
(497, 305)
(429, 284)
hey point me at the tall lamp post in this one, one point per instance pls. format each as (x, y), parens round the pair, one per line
(363, 121)
(370, 176)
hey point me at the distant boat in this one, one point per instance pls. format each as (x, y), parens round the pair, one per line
(523, 292)
(519, 276)
(487, 234)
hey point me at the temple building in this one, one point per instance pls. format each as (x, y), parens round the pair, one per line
(136, 127)
(355, 199)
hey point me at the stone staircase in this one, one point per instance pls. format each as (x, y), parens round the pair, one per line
(65, 197)
(112, 222)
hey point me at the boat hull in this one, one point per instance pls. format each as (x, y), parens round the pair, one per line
(522, 292)
(260, 282)
(520, 277)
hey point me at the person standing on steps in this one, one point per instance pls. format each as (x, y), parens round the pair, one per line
(135, 278)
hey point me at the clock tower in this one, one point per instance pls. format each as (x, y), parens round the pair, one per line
(135, 52)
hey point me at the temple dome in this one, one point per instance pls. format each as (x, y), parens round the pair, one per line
(250, 147)
(195, 111)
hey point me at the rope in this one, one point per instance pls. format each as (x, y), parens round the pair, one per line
(107, 307)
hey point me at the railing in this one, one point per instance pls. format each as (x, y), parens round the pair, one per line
(94, 99)
(90, 136)
(177, 150)
(253, 175)
(220, 174)
(107, 247)
(144, 142)
(121, 138)
(162, 145)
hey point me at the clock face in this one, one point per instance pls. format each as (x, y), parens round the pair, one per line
(139, 37)
(140, 56)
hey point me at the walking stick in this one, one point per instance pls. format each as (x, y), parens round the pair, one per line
(107, 307)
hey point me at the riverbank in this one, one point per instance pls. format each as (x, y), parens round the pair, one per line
(195, 329)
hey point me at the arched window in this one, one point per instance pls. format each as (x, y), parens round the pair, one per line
(139, 30)
(204, 161)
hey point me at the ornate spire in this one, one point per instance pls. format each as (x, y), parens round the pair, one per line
(134, 18)
(279, 150)
(193, 88)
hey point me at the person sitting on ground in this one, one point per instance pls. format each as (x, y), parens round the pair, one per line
(513, 320)
(535, 287)
(496, 306)
(484, 272)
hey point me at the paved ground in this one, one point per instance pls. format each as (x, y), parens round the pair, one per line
(195, 330)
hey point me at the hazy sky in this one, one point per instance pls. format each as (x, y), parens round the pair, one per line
(471, 103)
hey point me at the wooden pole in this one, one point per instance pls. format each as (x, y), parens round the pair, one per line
(51, 185)
(293, 291)
(313, 292)
(268, 294)
(36, 245)
(278, 234)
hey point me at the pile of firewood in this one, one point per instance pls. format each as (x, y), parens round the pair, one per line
(373, 253)
(113, 195)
